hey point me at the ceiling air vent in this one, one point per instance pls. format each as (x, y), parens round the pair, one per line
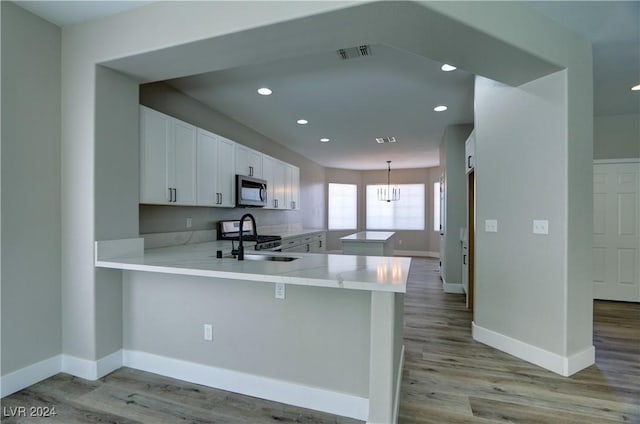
(386, 140)
(353, 52)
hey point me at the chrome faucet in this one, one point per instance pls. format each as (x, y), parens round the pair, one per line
(239, 252)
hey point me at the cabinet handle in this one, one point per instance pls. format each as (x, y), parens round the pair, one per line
(170, 195)
(464, 259)
(469, 161)
(175, 195)
(251, 171)
(308, 248)
(320, 243)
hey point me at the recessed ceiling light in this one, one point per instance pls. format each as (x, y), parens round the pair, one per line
(448, 68)
(302, 121)
(440, 108)
(264, 91)
(635, 88)
(324, 140)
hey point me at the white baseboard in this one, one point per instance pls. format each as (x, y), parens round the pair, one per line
(563, 365)
(91, 370)
(263, 387)
(29, 375)
(452, 287)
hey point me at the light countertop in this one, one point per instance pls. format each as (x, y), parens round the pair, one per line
(369, 236)
(374, 273)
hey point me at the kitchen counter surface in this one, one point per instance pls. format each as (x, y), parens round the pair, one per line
(373, 273)
(369, 236)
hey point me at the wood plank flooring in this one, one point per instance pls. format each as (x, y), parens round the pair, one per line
(448, 378)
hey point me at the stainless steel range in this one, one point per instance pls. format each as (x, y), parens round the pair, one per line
(230, 230)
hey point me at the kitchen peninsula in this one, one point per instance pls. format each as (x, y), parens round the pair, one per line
(319, 331)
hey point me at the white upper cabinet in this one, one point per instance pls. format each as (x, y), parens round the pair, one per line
(181, 164)
(248, 161)
(167, 159)
(215, 165)
(470, 152)
(293, 186)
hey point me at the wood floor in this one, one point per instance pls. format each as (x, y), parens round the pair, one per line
(448, 378)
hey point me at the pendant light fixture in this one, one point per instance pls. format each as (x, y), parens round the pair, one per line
(389, 194)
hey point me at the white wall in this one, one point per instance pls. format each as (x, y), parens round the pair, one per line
(316, 336)
(150, 41)
(616, 137)
(31, 329)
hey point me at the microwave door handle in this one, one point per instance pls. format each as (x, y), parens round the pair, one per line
(263, 193)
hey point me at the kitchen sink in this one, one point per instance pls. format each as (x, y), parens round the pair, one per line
(265, 258)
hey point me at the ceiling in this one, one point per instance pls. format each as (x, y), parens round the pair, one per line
(389, 93)
(352, 102)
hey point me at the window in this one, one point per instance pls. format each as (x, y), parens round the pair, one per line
(404, 214)
(343, 206)
(436, 206)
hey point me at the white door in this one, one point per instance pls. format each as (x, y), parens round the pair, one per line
(616, 231)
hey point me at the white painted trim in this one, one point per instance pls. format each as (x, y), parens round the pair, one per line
(396, 406)
(421, 253)
(563, 365)
(613, 161)
(29, 375)
(109, 364)
(252, 385)
(92, 370)
(452, 287)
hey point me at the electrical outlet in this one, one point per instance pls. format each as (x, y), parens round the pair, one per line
(280, 293)
(208, 332)
(189, 223)
(540, 226)
(491, 225)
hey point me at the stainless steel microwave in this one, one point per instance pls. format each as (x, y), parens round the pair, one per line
(250, 191)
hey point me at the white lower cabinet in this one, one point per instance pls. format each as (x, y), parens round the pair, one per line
(167, 159)
(311, 243)
(215, 167)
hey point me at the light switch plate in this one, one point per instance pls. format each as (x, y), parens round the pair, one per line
(491, 225)
(280, 293)
(540, 226)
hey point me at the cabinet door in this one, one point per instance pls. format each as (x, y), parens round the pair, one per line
(183, 166)
(293, 186)
(225, 172)
(268, 171)
(280, 187)
(154, 147)
(206, 166)
(248, 162)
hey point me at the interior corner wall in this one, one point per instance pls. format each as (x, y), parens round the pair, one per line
(521, 171)
(31, 287)
(116, 192)
(616, 137)
(452, 157)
